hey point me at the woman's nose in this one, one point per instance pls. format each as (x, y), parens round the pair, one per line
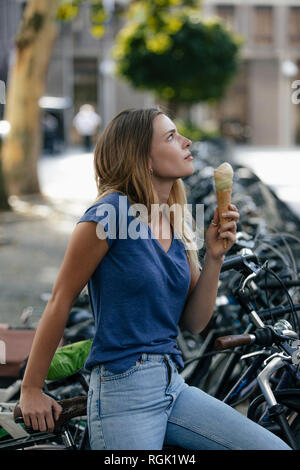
(188, 142)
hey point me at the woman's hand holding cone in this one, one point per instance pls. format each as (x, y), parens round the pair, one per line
(223, 176)
(217, 233)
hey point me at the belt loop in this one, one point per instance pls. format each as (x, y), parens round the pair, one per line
(143, 357)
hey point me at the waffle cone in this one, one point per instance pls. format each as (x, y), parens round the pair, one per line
(223, 200)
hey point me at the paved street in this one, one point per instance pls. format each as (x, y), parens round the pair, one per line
(33, 237)
(68, 178)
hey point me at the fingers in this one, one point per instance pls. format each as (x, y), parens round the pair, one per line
(43, 420)
(57, 409)
(229, 235)
(27, 420)
(229, 226)
(49, 421)
(217, 232)
(228, 231)
(34, 421)
(232, 213)
(40, 421)
(216, 220)
(34, 424)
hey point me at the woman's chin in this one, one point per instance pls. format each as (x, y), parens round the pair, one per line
(189, 171)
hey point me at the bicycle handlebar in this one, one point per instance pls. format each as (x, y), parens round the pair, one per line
(237, 262)
(231, 341)
(276, 311)
(265, 336)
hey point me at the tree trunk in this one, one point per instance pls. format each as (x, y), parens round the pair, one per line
(26, 84)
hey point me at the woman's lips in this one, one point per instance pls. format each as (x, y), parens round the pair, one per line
(189, 157)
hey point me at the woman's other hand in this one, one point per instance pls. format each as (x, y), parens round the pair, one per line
(39, 410)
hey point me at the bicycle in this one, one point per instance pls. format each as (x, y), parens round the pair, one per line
(221, 371)
(281, 411)
(282, 404)
(70, 431)
(63, 436)
(68, 383)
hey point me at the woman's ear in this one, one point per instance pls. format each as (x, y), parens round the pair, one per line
(150, 162)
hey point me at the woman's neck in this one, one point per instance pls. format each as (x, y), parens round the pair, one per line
(162, 189)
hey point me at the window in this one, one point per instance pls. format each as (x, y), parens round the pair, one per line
(294, 26)
(263, 25)
(226, 12)
(85, 81)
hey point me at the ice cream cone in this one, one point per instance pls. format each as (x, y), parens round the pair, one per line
(223, 200)
(223, 182)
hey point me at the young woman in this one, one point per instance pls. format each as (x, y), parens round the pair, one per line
(144, 280)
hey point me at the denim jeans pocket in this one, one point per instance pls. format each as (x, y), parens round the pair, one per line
(106, 375)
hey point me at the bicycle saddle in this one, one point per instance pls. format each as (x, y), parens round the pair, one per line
(71, 408)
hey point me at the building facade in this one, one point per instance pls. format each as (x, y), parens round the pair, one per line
(260, 99)
(86, 72)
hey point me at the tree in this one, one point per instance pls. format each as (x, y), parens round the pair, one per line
(20, 147)
(33, 48)
(175, 53)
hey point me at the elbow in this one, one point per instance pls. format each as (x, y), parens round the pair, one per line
(60, 300)
(194, 331)
(190, 328)
(188, 321)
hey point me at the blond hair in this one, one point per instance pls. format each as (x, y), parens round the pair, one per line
(121, 164)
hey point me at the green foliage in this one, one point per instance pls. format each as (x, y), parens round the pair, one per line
(175, 53)
(195, 133)
(68, 10)
(167, 48)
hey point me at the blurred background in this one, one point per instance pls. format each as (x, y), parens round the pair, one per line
(227, 72)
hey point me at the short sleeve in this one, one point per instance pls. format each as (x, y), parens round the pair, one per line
(105, 213)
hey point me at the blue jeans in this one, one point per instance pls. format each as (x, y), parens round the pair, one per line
(150, 405)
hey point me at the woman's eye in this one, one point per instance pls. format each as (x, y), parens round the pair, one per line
(170, 137)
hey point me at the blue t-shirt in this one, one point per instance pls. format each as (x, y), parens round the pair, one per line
(138, 290)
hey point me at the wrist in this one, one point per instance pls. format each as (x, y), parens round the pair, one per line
(25, 388)
(217, 260)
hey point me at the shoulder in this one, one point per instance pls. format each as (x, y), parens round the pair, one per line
(115, 199)
(107, 213)
(112, 198)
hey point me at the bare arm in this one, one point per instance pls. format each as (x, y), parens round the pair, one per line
(200, 304)
(84, 252)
